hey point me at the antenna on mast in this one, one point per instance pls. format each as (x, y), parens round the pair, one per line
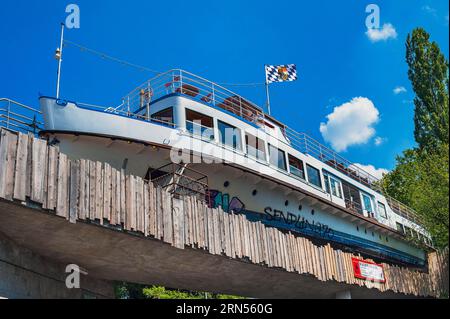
(58, 56)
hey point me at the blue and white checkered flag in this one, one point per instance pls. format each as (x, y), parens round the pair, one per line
(281, 73)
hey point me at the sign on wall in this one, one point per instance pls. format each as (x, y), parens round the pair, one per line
(368, 271)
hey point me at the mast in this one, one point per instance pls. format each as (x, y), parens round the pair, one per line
(58, 56)
(268, 98)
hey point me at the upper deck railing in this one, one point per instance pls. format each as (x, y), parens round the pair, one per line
(19, 117)
(197, 88)
(178, 81)
(307, 145)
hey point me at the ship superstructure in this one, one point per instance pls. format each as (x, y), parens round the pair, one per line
(191, 135)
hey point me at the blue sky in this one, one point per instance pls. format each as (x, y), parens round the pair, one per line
(230, 41)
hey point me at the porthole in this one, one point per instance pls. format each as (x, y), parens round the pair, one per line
(286, 203)
(300, 207)
(357, 228)
(226, 184)
(312, 212)
(373, 234)
(254, 192)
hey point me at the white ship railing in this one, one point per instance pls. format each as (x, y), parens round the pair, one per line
(307, 145)
(119, 111)
(197, 88)
(19, 117)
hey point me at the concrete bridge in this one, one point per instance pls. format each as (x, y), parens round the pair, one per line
(55, 211)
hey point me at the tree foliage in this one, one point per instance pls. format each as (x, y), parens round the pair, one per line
(421, 180)
(136, 291)
(421, 176)
(428, 73)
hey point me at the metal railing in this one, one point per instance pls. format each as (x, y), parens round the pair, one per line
(178, 81)
(195, 87)
(307, 145)
(19, 117)
(180, 180)
(119, 110)
(354, 206)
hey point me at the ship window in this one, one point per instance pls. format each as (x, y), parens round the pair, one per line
(313, 176)
(277, 157)
(296, 167)
(382, 210)
(200, 124)
(327, 183)
(400, 228)
(229, 135)
(255, 147)
(367, 203)
(335, 187)
(164, 116)
(332, 185)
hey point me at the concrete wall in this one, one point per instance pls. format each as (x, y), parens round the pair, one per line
(25, 275)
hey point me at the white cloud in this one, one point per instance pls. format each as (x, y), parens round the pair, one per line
(379, 141)
(386, 32)
(350, 124)
(399, 89)
(429, 9)
(376, 172)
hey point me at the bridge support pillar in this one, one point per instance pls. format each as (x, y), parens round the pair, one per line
(26, 275)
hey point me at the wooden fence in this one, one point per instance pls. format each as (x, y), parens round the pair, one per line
(84, 190)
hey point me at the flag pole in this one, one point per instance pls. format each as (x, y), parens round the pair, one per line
(59, 52)
(267, 92)
(268, 98)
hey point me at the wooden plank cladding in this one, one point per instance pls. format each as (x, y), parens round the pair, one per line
(33, 172)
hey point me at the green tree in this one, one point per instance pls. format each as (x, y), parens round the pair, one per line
(421, 176)
(428, 73)
(421, 180)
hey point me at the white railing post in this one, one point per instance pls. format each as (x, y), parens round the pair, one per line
(181, 82)
(8, 114)
(240, 106)
(149, 98)
(306, 144)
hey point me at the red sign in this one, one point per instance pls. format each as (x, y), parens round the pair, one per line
(368, 271)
